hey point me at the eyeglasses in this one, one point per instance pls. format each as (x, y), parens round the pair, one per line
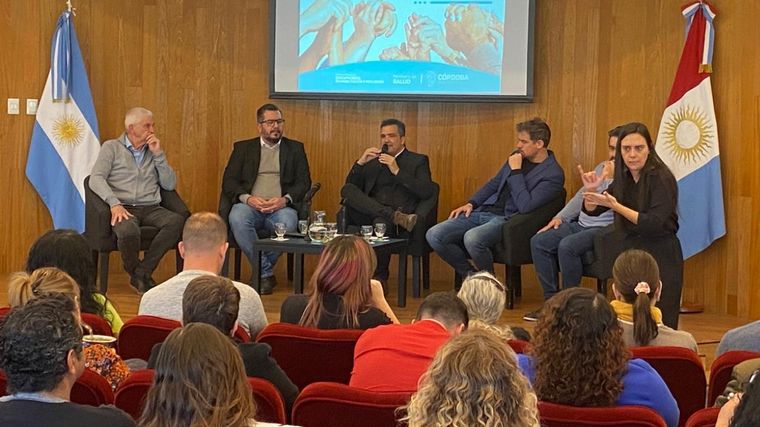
(271, 123)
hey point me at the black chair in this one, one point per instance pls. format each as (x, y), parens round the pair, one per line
(102, 240)
(514, 248)
(593, 261)
(418, 248)
(225, 205)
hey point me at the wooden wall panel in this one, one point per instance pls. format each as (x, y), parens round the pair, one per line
(202, 67)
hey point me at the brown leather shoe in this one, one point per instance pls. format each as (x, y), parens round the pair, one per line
(405, 221)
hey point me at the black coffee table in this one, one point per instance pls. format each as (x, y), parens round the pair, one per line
(299, 247)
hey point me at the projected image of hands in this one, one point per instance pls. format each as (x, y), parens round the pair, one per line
(461, 34)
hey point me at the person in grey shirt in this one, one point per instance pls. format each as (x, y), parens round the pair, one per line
(203, 247)
(128, 175)
(560, 245)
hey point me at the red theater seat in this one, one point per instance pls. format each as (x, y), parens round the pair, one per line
(703, 418)
(683, 373)
(140, 333)
(337, 405)
(720, 372)
(310, 355)
(554, 415)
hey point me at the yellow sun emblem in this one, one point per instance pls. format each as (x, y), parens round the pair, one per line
(68, 130)
(688, 133)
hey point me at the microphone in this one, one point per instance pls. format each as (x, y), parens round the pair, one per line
(312, 191)
(384, 149)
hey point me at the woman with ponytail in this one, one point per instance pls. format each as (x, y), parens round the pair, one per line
(637, 287)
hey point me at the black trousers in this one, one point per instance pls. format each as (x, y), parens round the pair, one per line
(169, 225)
(361, 209)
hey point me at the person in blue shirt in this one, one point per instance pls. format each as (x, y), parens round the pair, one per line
(579, 359)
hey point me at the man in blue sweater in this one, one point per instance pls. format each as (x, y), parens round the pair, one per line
(530, 178)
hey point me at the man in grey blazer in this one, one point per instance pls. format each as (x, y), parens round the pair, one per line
(264, 178)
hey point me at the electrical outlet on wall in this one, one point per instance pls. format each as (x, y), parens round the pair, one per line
(31, 107)
(13, 106)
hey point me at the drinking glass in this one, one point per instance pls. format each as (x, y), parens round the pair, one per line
(380, 230)
(332, 229)
(366, 231)
(303, 226)
(279, 230)
(318, 217)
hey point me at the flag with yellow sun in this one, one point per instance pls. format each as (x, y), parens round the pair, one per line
(688, 138)
(65, 139)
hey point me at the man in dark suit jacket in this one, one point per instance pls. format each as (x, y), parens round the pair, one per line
(530, 178)
(264, 178)
(385, 185)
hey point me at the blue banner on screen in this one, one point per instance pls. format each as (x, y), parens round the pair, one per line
(400, 77)
(426, 47)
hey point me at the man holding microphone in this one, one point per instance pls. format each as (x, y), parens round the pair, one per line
(385, 185)
(128, 175)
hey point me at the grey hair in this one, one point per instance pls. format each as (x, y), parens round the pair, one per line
(483, 298)
(134, 115)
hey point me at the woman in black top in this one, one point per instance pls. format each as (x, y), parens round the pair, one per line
(644, 197)
(341, 294)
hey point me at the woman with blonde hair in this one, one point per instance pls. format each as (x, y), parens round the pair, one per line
(637, 289)
(485, 296)
(23, 287)
(579, 359)
(474, 380)
(341, 294)
(199, 381)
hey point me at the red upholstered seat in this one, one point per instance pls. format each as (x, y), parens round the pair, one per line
(98, 324)
(554, 415)
(331, 404)
(519, 346)
(90, 389)
(682, 371)
(130, 396)
(310, 355)
(4, 311)
(140, 333)
(720, 372)
(703, 418)
(270, 407)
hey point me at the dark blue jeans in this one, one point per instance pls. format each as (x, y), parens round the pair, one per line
(457, 239)
(562, 250)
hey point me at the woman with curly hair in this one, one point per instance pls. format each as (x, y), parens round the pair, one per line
(341, 294)
(24, 287)
(637, 288)
(579, 359)
(473, 381)
(199, 381)
(69, 251)
(485, 297)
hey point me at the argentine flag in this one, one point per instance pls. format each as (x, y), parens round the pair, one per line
(688, 138)
(65, 139)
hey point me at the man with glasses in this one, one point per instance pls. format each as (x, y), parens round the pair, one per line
(560, 245)
(264, 178)
(530, 178)
(41, 355)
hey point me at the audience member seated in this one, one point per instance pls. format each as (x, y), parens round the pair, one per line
(214, 300)
(637, 288)
(41, 354)
(203, 247)
(740, 375)
(741, 338)
(23, 287)
(579, 359)
(200, 381)
(342, 293)
(743, 409)
(485, 296)
(68, 250)
(474, 381)
(644, 197)
(393, 357)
